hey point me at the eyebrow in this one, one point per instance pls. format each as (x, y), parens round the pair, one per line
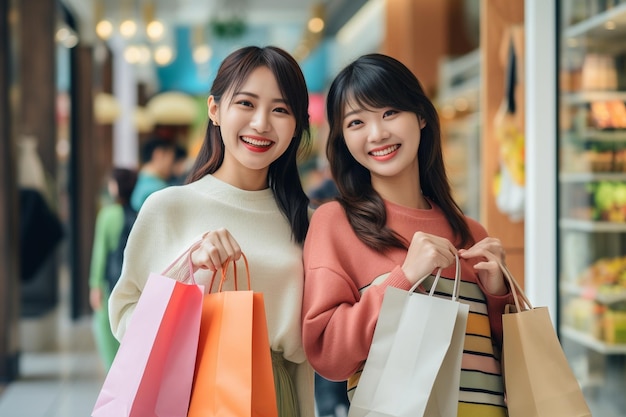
(246, 93)
(350, 113)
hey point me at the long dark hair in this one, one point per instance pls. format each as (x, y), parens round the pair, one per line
(283, 177)
(125, 179)
(378, 81)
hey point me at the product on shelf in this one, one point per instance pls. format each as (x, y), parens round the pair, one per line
(607, 274)
(614, 326)
(610, 114)
(609, 201)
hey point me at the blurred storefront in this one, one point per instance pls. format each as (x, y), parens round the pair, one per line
(552, 191)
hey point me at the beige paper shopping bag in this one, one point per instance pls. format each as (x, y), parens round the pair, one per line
(537, 378)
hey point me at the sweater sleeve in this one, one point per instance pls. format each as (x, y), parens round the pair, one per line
(338, 322)
(151, 247)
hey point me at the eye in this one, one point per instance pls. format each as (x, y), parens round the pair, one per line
(245, 103)
(353, 123)
(282, 110)
(389, 113)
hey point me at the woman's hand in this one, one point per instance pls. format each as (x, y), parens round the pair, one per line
(427, 253)
(491, 251)
(95, 298)
(217, 248)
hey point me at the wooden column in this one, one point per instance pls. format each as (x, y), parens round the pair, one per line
(84, 185)
(38, 77)
(417, 35)
(497, 16)
(9, 249)
(420, 33)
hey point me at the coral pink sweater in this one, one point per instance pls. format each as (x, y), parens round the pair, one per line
(338, 316)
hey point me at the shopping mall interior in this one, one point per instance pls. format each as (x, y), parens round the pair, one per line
(531, 96)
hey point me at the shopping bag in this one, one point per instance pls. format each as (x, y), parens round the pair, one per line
(152, 372)
(537, 378)
(413, 367)
(234, 375)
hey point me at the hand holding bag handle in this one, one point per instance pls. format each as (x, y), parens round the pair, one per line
(457, 281)
(224, 269)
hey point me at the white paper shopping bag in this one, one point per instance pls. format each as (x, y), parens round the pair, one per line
(414, 365)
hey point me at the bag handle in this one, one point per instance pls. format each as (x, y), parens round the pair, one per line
(186, 253)
(457, 280)
(516, 289)
(225, 270)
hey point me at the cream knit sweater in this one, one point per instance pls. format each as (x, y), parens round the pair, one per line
(172, 219)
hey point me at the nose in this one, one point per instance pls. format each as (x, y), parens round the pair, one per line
(260, 121)
(377, 132)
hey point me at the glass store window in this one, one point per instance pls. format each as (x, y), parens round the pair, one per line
(592, 198)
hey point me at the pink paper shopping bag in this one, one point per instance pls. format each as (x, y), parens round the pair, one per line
(152, 372)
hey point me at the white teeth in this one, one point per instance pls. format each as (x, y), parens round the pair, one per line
(256, 142)
(385, 151)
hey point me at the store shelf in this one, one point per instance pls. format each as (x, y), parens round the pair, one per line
(591, 342)
(592, 226)
(584, 97)
(595, 135)
(582, 177)
(594, 27)
(592, 293)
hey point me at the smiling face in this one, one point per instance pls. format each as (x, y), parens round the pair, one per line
(256, 126)
(384, 140)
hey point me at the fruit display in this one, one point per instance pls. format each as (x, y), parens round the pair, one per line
(609, 201)
(606, 274)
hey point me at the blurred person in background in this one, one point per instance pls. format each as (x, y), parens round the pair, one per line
(157, 156)
(113, 225)
(180, 170)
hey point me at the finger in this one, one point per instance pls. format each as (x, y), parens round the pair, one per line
(231, 249)
(201, 258)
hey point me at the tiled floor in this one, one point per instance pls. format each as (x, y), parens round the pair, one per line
(60, 379)
(53, 385)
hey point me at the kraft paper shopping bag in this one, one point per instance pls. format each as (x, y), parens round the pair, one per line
(234, 375)
(537, 378)
(414, 364)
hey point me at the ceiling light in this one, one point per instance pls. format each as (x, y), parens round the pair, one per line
(163, 55)
(132, 54)
(66, 37)
(316, 24)
(128, 28)
(155, 30)
(104, 29)
(202, 54)
(609, 25)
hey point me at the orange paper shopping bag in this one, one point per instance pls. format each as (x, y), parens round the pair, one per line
(234, 374)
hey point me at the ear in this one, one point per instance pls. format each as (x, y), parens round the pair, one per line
(213, 110)
(422, 122)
